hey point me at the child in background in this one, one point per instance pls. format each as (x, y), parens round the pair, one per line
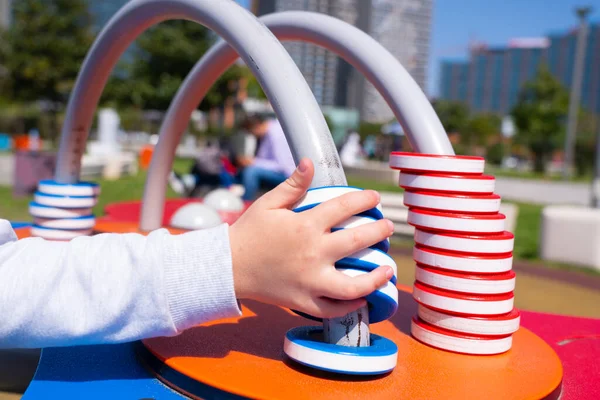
(113, 288)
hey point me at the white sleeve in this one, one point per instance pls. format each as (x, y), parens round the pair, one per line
(112, 288)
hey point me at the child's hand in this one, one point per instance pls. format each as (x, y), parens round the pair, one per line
(287, 259)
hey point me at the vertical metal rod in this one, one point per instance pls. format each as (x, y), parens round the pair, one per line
(575, 95)
(595, 203)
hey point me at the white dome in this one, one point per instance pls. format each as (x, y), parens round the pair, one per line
(223, 200)
(195, 216)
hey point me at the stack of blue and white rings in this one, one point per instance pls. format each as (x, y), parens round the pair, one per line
(306, 345)
(63, 211)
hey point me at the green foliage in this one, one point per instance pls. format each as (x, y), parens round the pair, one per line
(368, 128)
(539, 116)
(164, 56)
(480, 129)
(453, 115)
(495, 154)
(254, 89)
(44, 48)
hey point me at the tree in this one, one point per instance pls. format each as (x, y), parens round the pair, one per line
(480, 129)
(539, 116)
(44, 48)
(453, 115)
(164, 56)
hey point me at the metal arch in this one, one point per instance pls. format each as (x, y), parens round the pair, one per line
(304, 125)
(407, 100)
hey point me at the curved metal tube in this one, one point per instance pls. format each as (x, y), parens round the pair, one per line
(407, 100)
(304, 125)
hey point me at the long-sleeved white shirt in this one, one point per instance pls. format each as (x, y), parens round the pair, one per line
(112, 288)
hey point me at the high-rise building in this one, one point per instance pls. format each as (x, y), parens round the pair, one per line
(404, 28)
(490, 80)
(321, 68)
(401, 26)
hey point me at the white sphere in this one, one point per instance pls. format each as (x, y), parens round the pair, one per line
(195, 216)
(223, 200)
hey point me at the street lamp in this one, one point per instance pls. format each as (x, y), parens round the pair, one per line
(582, 13)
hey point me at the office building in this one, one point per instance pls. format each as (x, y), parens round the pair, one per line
(401, 26)
(320, 67)
(491, 79)
(404, 28)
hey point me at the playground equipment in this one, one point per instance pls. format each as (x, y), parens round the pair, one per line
(195, 216)
(242, 357)
(223, 200)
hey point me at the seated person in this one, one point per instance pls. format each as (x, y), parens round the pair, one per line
(211, 169)
(273, 162)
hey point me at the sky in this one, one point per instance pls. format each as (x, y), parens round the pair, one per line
(457, 22)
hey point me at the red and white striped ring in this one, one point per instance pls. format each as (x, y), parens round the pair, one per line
(454, 222)
(464, 282)
(463, 303)
(474, 244)
(459, 343)
(483, 184)
(465, 262)
(504, 324)
(452, 202)
(405, 161)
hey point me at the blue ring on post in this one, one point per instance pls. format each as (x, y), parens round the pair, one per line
(16, 225)
(37, 193)
(34, 204)
(307, 337)
(362, 265)
(373, 212)
(80, 183)
(59, 229)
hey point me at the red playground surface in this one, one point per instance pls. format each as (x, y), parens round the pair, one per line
(576, 341)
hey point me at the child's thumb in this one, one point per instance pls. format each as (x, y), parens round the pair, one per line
(294, 187)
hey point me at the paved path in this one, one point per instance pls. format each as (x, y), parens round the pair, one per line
(543, 192)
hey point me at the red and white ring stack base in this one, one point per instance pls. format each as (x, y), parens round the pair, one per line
(464, 280)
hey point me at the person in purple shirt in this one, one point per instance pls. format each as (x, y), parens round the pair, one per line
(273, 162)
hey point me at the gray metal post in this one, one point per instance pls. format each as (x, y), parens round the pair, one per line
(596, 180)
(574, 98)
(404, 96)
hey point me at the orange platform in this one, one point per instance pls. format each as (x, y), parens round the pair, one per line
(244, 356)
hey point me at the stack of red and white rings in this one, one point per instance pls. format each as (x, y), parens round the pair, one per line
(464, 280)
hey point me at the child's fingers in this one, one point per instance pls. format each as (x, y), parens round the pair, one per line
(339, 209)
(339, 286)
(344, 242)
(329, 308)
(289, 192)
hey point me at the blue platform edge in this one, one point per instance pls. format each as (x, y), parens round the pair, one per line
(119, 371)
(16, 225)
